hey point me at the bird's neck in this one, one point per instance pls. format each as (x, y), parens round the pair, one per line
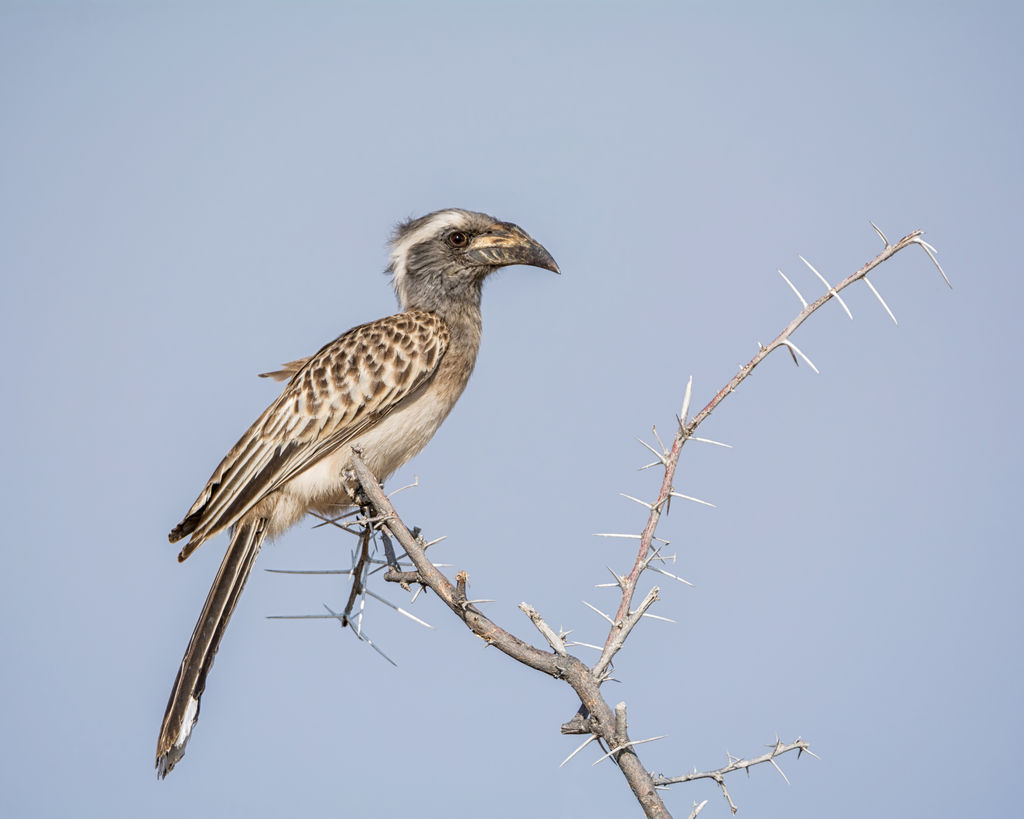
(465, 324)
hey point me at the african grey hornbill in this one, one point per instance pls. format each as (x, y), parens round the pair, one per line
(385, 386)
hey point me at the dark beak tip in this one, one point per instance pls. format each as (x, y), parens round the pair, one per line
(543, 259)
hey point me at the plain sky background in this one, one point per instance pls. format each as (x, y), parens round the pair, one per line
(191, 194)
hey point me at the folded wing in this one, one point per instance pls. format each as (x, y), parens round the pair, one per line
(330, 399)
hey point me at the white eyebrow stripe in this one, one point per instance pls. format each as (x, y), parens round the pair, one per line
(441, 221)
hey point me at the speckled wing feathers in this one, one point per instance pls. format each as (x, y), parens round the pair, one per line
(332, 398)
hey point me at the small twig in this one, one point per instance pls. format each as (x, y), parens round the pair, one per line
(556, 642)
(357, 573)
(735, 764)
(620, 631)
(404, 579)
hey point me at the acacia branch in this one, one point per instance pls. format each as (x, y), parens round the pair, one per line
(560, 666)
(685, 430)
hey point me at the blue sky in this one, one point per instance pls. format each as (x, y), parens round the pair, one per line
(192, 194)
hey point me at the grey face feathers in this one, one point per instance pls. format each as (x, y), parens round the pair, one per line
(440, 260)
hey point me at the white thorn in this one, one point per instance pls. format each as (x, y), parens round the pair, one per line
(797, 350)
(709, 441)
(613, 534)
(831, 289)
(686, 402)
(585, 645)
(594, 608)
(309, 571)
(586, 742)
(657, 617)
(803, 301)
(669, 574)
(697, 809)
(697, 500)
(879, 297)
(636, 500)
(625, 745)
(931, 251)
(365, 638)
(359, 617)
(775, 765)
(659, 455)
(655, 554)
(880, 234)
(654, 432)
(362, 636)
(399, 609)
(809, 751)
(413, 485)
(606, 585)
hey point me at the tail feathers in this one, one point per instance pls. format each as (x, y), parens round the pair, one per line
(183, 705)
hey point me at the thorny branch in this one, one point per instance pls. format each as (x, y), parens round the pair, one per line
(622, 621)
(560, 666)
(596, 718)
(735, 764)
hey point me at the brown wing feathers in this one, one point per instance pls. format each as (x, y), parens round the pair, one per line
(331, 397)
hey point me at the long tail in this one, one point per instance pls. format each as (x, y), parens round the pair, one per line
(183, 705)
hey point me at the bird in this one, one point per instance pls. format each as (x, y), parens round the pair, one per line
(385, 387)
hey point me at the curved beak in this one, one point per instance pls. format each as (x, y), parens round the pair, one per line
(509, 244)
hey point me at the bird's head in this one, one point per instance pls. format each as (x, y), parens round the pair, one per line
(441, 259)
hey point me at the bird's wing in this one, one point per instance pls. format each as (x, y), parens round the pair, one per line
(336, 395)
(287, 370)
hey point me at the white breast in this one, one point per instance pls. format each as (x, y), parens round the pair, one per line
(386, 447)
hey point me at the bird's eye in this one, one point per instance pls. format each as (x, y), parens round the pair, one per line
(458, 239)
